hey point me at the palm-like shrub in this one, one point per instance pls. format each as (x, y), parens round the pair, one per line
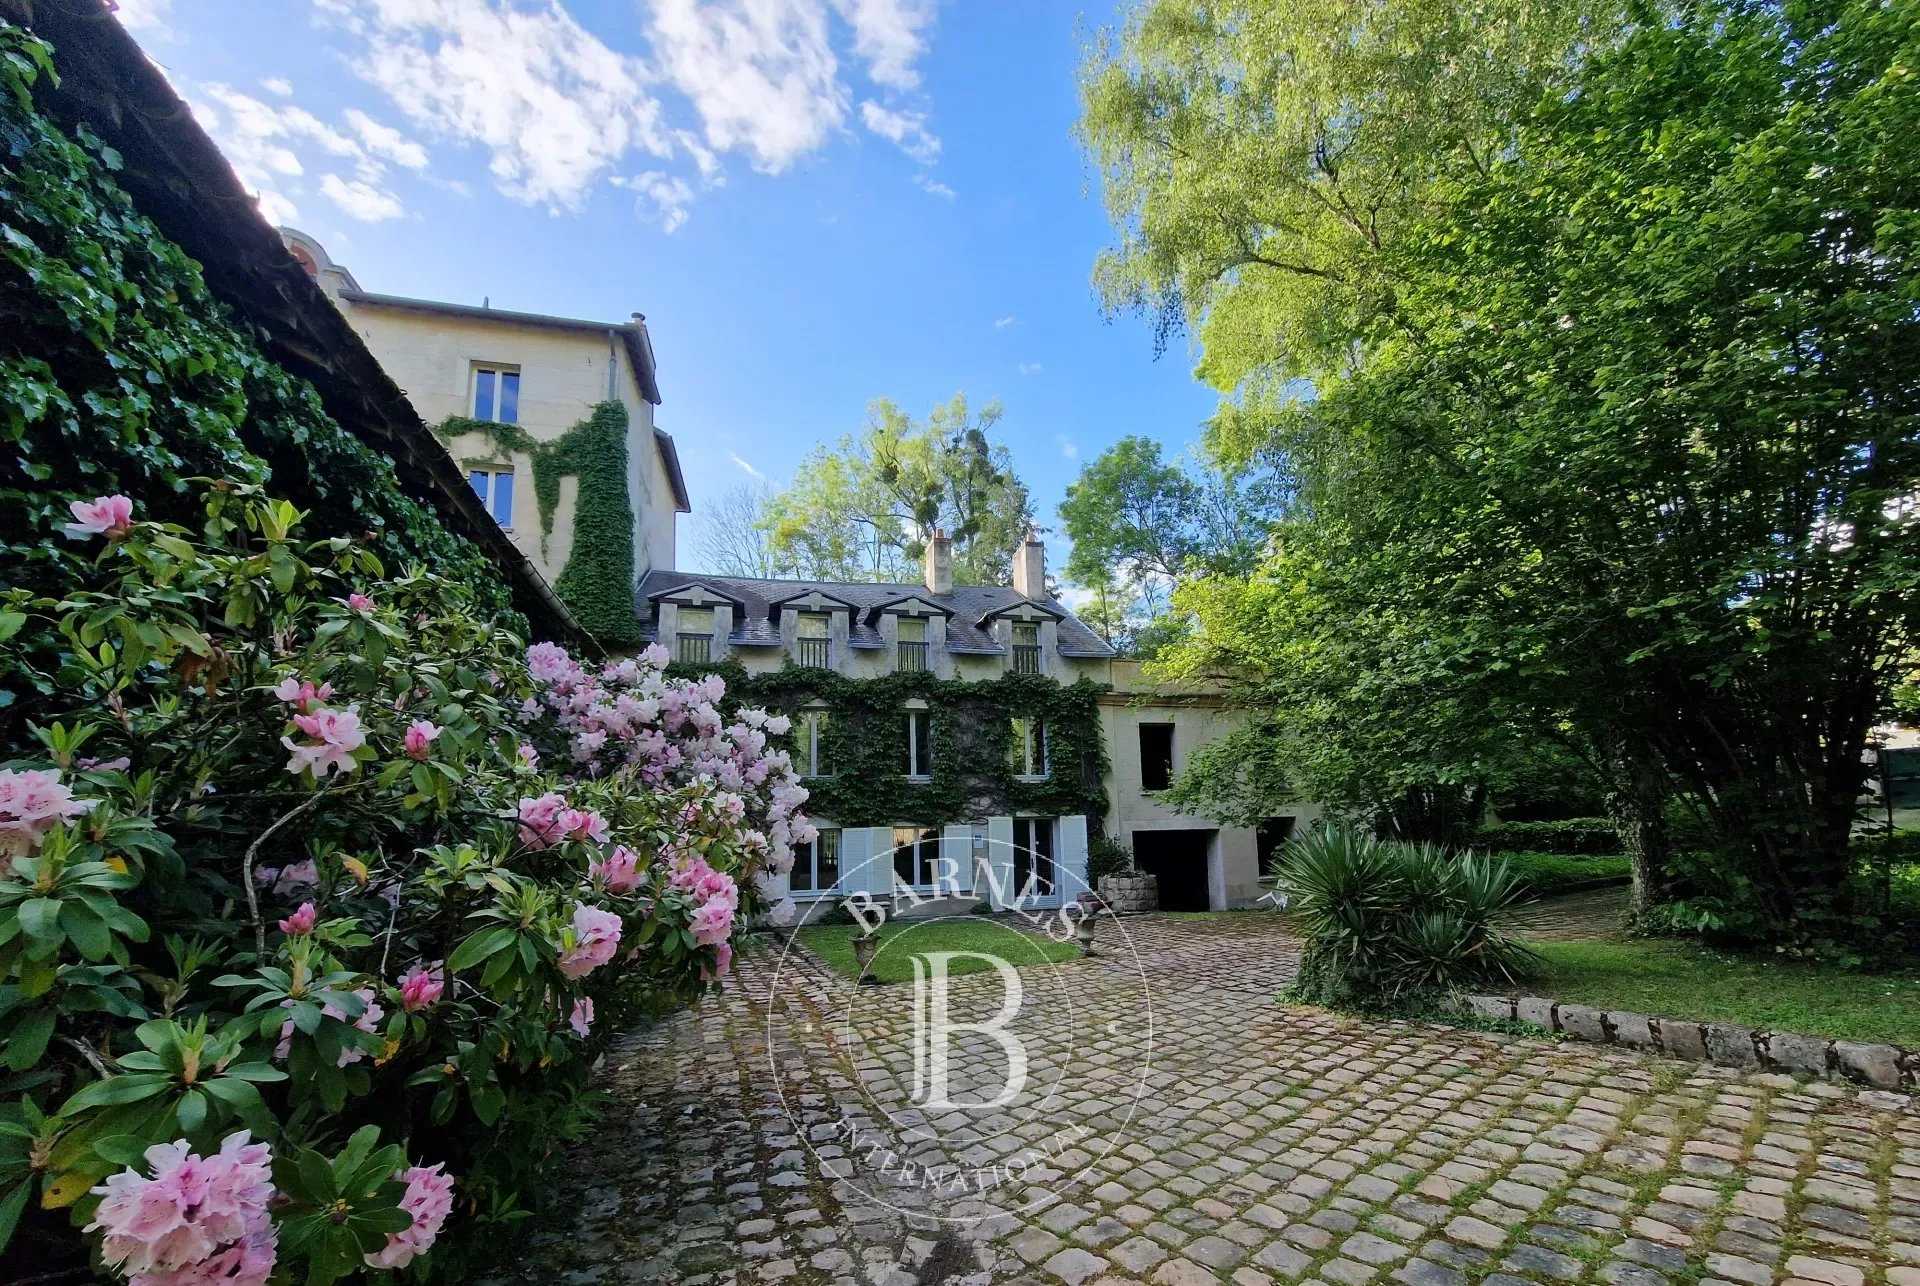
(1384, 920)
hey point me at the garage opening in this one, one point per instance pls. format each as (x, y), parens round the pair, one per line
(1179, 859)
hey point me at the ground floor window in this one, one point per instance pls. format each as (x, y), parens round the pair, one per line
(816, 866)
(1033, 855)
(916, 854)
(1269, 837)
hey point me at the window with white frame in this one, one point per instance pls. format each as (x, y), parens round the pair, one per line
(1029, 747)
(919, 747)
(694, 634)
(916, 855)
(816, 866)
(496, 393)
(810, 744)
(495, 489)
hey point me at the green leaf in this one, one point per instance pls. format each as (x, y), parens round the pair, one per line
(10, 1207)
(115, 1090)
(479, 947)
(40, 918)
(28, 1040)
(86, 930)
(191, 1111)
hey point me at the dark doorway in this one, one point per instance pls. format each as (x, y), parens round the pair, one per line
(1179, 859)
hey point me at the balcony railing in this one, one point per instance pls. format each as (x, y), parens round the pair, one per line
(1026, 658)
(913, 657)
(815, 652)
(696, 647)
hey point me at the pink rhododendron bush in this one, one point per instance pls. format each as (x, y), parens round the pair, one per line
(319, 895)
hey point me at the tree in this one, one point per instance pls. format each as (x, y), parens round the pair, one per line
(734, 537)
(1626, 444)
(865, 508)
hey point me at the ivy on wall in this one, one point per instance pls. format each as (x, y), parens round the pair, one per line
(122, 373)
(598, 580)
(972, 726)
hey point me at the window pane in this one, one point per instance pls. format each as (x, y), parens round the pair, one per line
(1025, 633)
(913, 629)
(696, 620)
(483, 394)
(502, 506)
(1156, 755)
(827, 858)
(1039, 747)
(801, 880)
(903, 853)
(813, 625)
(478, 479)
(509, 397)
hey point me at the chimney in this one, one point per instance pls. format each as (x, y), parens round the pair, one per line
(1030, 567)
(939, 566)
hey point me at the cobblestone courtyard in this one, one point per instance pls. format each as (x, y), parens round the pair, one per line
(1263, 1143)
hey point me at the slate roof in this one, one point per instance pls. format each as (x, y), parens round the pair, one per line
(967, 603)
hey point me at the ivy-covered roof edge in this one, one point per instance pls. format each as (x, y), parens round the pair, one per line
(179, 179)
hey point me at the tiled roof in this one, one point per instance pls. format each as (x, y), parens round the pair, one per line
(968, 604)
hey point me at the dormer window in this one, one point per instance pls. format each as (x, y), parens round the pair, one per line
(913, 644)
(496, 393)
(1026, 647)
(813, 640)
(694, 634)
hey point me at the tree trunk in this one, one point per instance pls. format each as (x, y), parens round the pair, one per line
(1637, 806)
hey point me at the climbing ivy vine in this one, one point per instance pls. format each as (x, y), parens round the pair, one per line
(597, 582)
(972, 726)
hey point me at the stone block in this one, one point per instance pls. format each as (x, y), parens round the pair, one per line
(1731, 1045)
(1792, 1053)
(1537, 1010)
(1500, 1007)
(1632, 1029)
(1682, 1040)
(1876, 1065)
(1582, 1022)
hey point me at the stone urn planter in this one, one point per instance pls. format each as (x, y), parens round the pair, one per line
(1131, 893)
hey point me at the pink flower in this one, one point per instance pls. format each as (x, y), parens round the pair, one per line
(33, 802)
(301, 922)
(722, 962)
(589, 826)
(528, 755)
(429, 1200)
(421, 988)
(712, 923)
(540, 821)
(301, 694)
(596, 936)
(582, 1019)
(419, 739)
(619, 871)
(547, 662)
(359, 602)
(197, 1219)
(109, 516)
(368, 1021)
(336, 735)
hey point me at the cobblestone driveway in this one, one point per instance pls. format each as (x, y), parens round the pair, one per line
(1272, 1144)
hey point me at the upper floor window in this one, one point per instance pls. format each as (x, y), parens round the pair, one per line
(916, 855)
(1156, 756)
(1026, 647)
(919, 747)
(913, 643)
(815, 645)
(496, 394)
(1029, 748)
(695, 634)
(810, 744)
(495, 489)
(816, 866)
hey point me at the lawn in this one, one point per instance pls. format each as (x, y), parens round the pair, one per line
(1546, 874)
(1010, 939)
(1677, 980)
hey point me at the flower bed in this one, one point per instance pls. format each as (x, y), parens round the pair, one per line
(320, 891)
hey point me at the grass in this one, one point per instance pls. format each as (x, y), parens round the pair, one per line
(1679, 980)
(1008, 939)
(1546, 874)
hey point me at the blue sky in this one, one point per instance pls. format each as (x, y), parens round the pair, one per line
(815, 202)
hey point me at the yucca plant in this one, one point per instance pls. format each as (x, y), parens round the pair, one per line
(1383, 920)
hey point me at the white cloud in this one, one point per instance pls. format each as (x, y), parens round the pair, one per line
(278, 85)
(553, 104)
(144, 15)
(386, 142)
(1068, 447)
(905, 130)
(933, 187)
(361, 200)
(666, 196)
(1030, 368)
(276, 209)
(761, 74)
(746, 468)
(1001, 323)
(888, 35)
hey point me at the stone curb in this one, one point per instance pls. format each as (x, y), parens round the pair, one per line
(1886, 1067)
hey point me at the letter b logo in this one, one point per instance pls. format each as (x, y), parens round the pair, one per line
(933, 1031)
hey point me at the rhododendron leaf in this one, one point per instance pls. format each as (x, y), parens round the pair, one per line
(40, 918)
(10, 1207)
(64, 1189)
(478, 948)
(114, 1090)
(262, 1072)
(85, 929)
(121, 1149)
(142, 1061)
(487, 1102)
(191, 1111)
(28, 1039)
(306, 1016)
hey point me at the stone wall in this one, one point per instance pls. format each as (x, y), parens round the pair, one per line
(1130, 894)
(1728, 1044)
